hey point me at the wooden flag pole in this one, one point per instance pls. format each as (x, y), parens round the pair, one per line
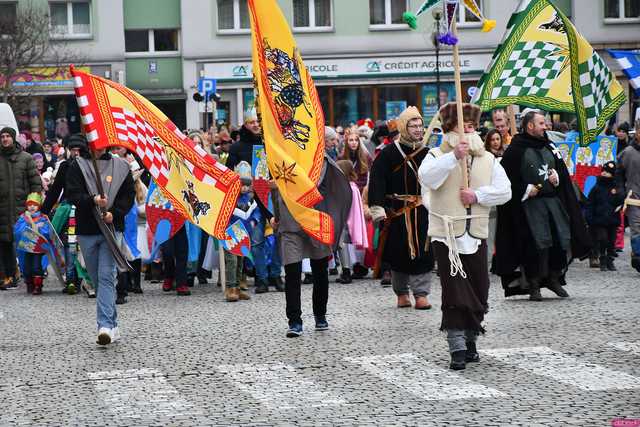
(512, 120)
(458, 83)
(222, 268)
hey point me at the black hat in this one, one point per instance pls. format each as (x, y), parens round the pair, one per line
(609, 167)
(11, 131)
(77, 141)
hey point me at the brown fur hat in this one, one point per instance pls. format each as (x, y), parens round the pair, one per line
(449, 115)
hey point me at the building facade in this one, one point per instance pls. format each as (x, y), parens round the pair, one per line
(364, 60)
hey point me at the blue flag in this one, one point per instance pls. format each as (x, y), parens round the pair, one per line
(629, 61)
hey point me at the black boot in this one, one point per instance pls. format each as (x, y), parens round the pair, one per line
(603, 263)
(472, 355)
(594, 262)
(610, 265)
(277, 283)
(534, 290)
(458, 360)
(308, 279)
(635, 262)
(261, 287)
(555, 285)
(345, 277)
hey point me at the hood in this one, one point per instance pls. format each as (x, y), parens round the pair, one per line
(403, 120)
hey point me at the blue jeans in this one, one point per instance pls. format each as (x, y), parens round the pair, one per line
(101, 267)
(70, 264)
(259, 250)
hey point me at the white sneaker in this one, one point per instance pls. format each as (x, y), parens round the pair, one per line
(115, 334)
(105, 336)
(88, 289)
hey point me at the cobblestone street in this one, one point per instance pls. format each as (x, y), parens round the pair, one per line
(201, 361)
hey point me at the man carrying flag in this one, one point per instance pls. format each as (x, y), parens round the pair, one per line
(109, 208)
(313, 197)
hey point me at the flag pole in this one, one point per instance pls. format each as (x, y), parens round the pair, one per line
(222, 268)
(512, 120)
(458, 83)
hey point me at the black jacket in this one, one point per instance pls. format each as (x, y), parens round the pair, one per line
(602, 204)
(78, 195)
(513, 235)
(243, 149)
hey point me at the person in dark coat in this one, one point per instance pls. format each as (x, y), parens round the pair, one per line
(95, 213)
(542, 226)
(395, 197)
(18, 178)
(603, 215)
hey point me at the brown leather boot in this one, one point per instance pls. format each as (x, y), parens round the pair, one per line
(231, 294)
(404, 301)
(422, 303)
(243, 295)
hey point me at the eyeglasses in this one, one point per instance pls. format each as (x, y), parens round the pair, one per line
(415, 127)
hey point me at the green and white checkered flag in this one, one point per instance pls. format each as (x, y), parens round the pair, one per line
(543, 62)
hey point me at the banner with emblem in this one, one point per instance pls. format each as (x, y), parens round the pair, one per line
(291, 117)
(199, 188)
(543, 62)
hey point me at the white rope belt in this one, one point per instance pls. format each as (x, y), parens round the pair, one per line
(450, 235)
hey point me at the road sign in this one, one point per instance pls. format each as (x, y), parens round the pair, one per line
(207, 86)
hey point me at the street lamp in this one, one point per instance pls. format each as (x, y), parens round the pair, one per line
(437, 15)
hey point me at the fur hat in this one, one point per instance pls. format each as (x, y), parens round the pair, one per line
(449, 115)
(34, 199)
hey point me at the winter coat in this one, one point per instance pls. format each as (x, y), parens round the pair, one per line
(18, 178)
(243, 149)
(603, 206)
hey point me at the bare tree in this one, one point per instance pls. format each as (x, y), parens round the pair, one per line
(25, 41)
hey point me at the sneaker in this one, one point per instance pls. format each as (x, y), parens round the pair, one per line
(105, 336)
(108, 336)
(88, 289)
(71, 289)
(294, 330)
(322, 325)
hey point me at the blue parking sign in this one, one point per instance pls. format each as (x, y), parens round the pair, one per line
(207, 86)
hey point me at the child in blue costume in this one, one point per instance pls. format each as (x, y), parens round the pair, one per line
(246, 211)
(31, 232)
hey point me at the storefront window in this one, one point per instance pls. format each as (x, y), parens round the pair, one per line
(392, 100)
(351, 104)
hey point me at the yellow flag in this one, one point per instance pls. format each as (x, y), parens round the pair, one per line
(292, 118)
